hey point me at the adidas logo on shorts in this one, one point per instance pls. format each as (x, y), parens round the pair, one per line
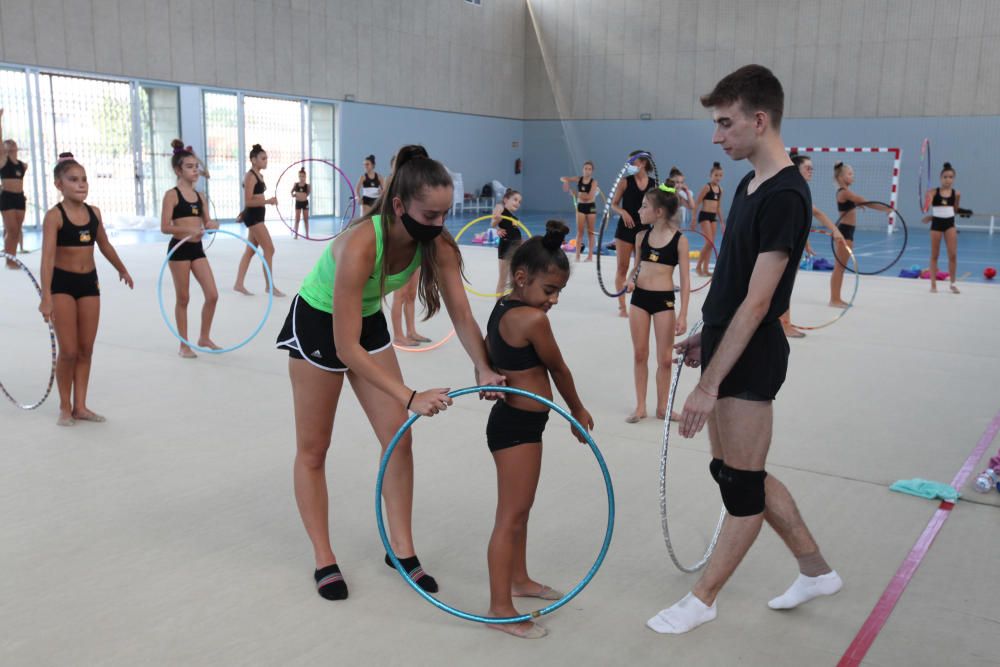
(317, 354)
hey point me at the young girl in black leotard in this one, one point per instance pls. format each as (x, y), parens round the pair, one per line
(847, 204)
(369, 186)
(943, 207)
(301, 192)
(509, 232)
(710, 216)
(253, 217)
(71, 294)
(661, 249)
(185, 214)
(685, 195)
(625, 202)
(521, 345)
(586, 207)
(12, 201)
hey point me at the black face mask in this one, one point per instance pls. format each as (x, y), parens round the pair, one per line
(418, 231)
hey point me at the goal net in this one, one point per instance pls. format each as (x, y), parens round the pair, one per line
(876, 177)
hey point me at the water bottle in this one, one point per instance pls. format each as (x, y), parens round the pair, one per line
(987, 480)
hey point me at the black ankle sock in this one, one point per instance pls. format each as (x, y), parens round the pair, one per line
(330, 583)
(412, 567)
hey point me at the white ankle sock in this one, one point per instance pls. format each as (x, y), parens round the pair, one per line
(806, 588)
(683, 616)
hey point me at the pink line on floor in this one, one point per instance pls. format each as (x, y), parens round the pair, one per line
(883, 608)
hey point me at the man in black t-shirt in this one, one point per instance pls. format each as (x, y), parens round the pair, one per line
(743, 351)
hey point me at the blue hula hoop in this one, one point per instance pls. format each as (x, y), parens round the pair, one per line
(475, 617)
(260, 325)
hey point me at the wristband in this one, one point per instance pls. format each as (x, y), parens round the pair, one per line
(410, 402)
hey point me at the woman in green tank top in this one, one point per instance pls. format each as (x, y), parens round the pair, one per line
(335, 327)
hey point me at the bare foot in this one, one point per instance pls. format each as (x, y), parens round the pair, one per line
(838, 304)
(578, 258)
(933, 289)
(87, 415)
(590, 258)
(208, 343)
(636, 417)
(418, 337)
(622, 312)
(186, 353)
(278, 293)
(65, 418)
(242, 290)
(792, 332)
(405, 342)
(523, 630)
(954, 289)
(534, 589)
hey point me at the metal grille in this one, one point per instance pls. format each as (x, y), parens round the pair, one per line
(223, 154)
(277, 126)
(92, 119)
(327, 185)
(17, 125)
(159, 124)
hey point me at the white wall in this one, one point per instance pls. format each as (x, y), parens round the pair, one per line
(617, 59)
(431, 54)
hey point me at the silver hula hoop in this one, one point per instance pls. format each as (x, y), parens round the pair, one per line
(606, 215)
(663, 478)
(52, 342)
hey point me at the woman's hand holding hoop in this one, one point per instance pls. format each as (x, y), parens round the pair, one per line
(431, 401)
(45, 308)
(490, 377)
(690, 350)
(582, 416)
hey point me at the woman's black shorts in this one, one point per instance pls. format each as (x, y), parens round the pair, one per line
(188, 252)
(847, 231)
(253, 215)
(302, 205)
(12, 201)
(942, 224)
(76, 285)
(508, 246)
(760, 370)
(308, 334)
(508, 427)
(628, 234)
(586, 207)
(653, 301)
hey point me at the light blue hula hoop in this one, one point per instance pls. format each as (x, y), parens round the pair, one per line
(475, 617)
(260, 325)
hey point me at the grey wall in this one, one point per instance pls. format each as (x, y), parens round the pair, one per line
(617, 59)
(970, 143)
(432, 54)
(476, 146)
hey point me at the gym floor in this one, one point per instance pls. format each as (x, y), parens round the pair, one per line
(170, 534)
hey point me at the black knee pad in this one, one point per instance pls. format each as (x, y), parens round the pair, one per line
(742, 490)
(714, 467)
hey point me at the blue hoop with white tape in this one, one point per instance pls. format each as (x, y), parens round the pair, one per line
(260, 325)
(475, 617)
